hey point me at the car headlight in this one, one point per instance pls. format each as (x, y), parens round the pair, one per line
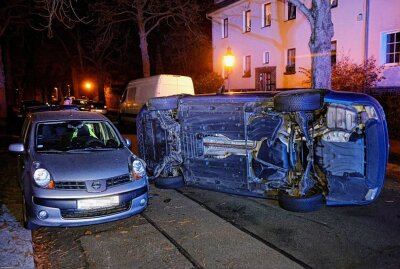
(138, 169)
(42, 177)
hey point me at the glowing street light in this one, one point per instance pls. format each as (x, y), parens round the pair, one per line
(229, 61)
(88, 85)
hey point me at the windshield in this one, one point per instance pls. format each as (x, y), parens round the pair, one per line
(71, 135)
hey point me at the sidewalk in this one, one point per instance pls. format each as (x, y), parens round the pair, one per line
(15, 242)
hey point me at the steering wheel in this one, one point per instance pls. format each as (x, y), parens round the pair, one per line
(94, 142)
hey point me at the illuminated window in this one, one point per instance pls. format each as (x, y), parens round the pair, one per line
(291, 61)
(247, 66)
(291, 15)
(393, 48)
(247, 21)
(266, 15)
(225, 28)
(333, 52)
(334, 3)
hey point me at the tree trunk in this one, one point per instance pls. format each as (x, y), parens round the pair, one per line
(320, 44)
(145, 54)
(10, 90)
(100, 85)
(75, 82)
(319, 16)
(143, 41)
(3, 100)
(159, 62)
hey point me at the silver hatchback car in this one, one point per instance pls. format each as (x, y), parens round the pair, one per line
(76, 169)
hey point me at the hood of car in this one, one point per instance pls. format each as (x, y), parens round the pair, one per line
(85, 165)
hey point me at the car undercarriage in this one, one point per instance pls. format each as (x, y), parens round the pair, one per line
(293, 146)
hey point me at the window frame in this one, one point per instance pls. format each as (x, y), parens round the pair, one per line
(247, 66)
(333, 52)
(247, 21)
(224, 28)
(266, 57)
(290, 6)
(290, 61)
(396, 48)
(266, 17)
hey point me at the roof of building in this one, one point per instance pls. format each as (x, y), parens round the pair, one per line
(221, 4)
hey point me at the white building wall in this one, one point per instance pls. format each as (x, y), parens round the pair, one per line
(349, 27)
(384, 18)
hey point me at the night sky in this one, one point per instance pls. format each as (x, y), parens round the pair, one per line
(38, 59)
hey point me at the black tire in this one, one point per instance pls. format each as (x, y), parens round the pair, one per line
(164, 103)
(298, 100)
(27, 224)
(169, 182)
(300, 204)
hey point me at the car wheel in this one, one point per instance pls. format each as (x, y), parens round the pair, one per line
(169, 182)
(309, 203)
(164, 103)
(27, 224)
(298, 100)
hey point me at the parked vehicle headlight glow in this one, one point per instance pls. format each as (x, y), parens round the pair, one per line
(138, 170)
(42, 177)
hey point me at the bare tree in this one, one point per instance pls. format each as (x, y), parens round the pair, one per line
(11, 13)
(319, 16)
(147, 15)
(62, 11)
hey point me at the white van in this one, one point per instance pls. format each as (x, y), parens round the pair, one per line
(139, 91)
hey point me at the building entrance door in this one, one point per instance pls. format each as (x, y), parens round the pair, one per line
(266, 79)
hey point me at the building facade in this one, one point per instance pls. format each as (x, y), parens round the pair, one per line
(269, 39)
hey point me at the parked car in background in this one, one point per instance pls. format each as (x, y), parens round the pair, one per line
(59, 156)
(20, 111)
(44, 108)
(99, 107)
(83, 104)
(302, 147)
(139, 91)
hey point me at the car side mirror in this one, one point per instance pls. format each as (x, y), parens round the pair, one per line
(16, 148)
(128, 142)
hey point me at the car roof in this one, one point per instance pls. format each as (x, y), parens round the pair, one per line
(66, 115)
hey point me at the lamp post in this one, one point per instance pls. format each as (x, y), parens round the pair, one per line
(229, 61)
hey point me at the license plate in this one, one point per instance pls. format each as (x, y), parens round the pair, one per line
(100, 202)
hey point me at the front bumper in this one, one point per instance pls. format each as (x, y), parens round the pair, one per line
(64, 212)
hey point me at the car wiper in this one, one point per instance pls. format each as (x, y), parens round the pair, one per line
(89, 149)
(49, 151)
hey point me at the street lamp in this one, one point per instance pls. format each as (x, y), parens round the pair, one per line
(229, 61)
(88, 85)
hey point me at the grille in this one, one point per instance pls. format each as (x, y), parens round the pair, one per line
(70, 185)
(101, 212)
(81, 185)
(114, 181)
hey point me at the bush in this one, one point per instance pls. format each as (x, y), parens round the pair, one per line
(349, 76)
(207, 83)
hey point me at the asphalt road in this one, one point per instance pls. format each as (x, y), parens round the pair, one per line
(192, 228)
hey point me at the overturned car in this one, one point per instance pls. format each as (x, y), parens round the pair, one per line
(302, 147)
